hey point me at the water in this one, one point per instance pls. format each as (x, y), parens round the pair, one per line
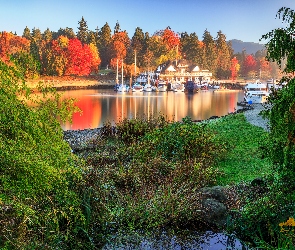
(99, 106)
(194, 241)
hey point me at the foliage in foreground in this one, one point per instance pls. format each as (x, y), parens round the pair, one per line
(146, 173)
(152, 181)
(262, 220)
(39, 176)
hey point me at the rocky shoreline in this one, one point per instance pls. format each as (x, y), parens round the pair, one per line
(253, 116)
(78, 139)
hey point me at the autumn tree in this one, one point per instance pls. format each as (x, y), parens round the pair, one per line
(4, 45)
(18, 49)
(165, 45)
(120, 44)
(12, 45)
(55, 57)
(234, 68)
(81, 58)
(95, 59)
(249, 64)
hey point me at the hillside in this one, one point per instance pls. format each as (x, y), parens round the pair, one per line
(250, 47)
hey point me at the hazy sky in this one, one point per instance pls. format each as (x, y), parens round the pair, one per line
(246, 20)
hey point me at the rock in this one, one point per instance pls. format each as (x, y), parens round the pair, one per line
(214, 212)
(213, 117)
(216, 193)
(213, 209)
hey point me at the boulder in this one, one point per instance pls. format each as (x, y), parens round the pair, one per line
(213, 209)
(216, 193)
(214, 212)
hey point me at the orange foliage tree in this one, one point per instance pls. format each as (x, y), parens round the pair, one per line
(170, 41)
(120, 43)
(235, 67)
(11, 44)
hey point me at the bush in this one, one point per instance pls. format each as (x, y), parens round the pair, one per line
(39, 176)
(147, 175)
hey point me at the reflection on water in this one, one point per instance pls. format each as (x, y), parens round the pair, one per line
(202, 241)
(99, 106)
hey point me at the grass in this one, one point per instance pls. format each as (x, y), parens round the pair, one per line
(246, 150)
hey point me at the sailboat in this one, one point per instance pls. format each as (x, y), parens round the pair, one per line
(122, 87)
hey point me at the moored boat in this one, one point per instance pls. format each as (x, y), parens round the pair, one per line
(256, 92)
(123, 88)
(147, 88)
(162, 87)
(137, 87)
(178, 87)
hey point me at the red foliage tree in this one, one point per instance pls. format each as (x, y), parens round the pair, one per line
(80, 57)
(170, 38)
(249, 64)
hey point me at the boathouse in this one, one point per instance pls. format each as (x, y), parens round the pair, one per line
(182, 71)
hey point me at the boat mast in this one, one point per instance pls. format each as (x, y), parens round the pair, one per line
(122, 71)
(117, 75)
(135, 66)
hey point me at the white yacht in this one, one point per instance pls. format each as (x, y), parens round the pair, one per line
(137, 87)
(147, 88)
(256, 92)
(123, 88)
(162, 87)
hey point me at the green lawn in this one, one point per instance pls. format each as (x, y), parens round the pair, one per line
(246, 144)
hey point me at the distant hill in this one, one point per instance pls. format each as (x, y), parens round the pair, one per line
(250, 47)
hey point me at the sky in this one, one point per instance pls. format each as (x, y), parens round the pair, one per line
(245, 20)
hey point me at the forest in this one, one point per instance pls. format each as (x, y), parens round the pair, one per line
(66, 53)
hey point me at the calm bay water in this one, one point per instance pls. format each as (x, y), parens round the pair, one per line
(99, 106)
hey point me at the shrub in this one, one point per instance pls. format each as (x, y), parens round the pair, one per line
(39, 176)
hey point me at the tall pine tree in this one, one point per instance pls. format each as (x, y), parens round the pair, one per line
(104, 44)
(27, 33)
(82, 33)
(210, 61)
(223, 57)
